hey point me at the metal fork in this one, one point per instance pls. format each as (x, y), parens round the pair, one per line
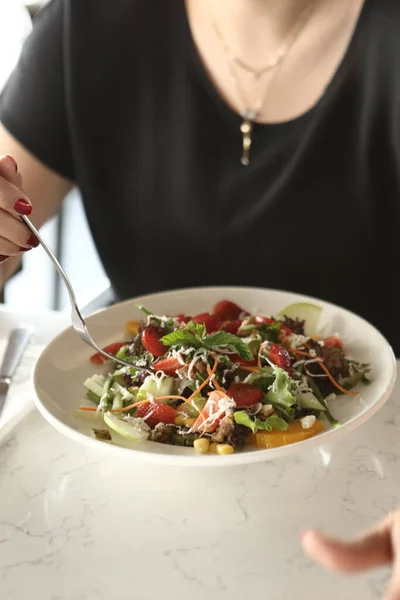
(78, 322)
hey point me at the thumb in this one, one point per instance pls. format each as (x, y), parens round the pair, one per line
(373, 550)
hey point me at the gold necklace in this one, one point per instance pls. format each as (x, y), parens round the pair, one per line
(249, 115)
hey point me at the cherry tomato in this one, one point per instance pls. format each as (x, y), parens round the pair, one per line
(226, 310)
(151, 341)
(99, 359)
(231, 326)
(169, 366)
(245, 394)
(156, 413)
(333, 341)
(211, 322)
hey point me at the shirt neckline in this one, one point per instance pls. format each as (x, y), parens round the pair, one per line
(233, 115)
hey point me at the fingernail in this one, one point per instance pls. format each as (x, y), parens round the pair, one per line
(23, 207)
(13, 161)
(22, 249)
(3, 258)
(32, 241)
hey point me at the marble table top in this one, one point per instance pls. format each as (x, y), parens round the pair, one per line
(76, 524)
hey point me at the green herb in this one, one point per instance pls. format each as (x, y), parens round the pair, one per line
(144, 310)
(195, 335)
(273, 422)
(315, 389)
(223, 339)
(181, 337)
(198, 329)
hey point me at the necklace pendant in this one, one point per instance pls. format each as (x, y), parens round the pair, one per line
(246, 128)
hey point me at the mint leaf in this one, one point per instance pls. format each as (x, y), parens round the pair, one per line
(280, 393)
(273, 422)
(223, 339)
(181, 337)
(198, 329)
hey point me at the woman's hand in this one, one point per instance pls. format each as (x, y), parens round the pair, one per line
(381, 546)
(15, 237)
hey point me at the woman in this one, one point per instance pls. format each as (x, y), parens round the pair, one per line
(249, 142)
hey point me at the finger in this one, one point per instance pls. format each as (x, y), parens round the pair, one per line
(13, 200)
(8, 248)
(373, 550)
(9, 170)
(393, 592)
(15, 231)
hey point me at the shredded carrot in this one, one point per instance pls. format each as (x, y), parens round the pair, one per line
(205, 382)
(216, 384)
(117, 410)
(300, 352)
(335, 383)
(250, 369)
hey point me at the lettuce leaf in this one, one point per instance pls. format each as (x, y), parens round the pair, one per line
(280, 394)
(273, 422)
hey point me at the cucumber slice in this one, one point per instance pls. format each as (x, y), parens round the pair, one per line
(309, 401)
(95, 384)
(310, 313)
(133, 429)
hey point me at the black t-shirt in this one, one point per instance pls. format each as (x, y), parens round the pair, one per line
(113, 95)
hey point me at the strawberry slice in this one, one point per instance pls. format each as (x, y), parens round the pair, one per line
(279, 356)
(156, 413)
(212, 322)
(245, 394)
(226, 310)
(169, 366)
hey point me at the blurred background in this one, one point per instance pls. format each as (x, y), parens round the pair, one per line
(68, 234)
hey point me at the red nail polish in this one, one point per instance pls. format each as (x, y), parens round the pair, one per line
(13, 161)
(23, 207)
(32, 241)
(3, 258)
(22, 249)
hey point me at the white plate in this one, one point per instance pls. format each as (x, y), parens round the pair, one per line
(64, 365)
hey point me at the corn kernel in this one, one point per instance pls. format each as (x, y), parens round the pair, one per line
(224, 449)
(201, 445)
(133, 327)
(190, 422)
(180, 420)
(213, 447)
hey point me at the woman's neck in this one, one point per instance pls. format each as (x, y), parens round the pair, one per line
(248, 25)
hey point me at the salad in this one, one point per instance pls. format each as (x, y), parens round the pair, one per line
(224, 380)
